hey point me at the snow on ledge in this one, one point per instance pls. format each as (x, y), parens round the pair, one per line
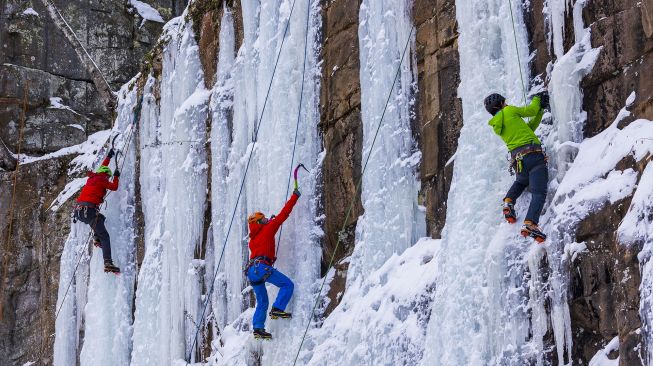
(601, 357)
(30, 11)
(146, 11)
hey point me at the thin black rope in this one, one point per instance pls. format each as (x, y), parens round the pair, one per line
(299, 115)
(351, 205)
(514, 33)
(242, 185)
(137, 117)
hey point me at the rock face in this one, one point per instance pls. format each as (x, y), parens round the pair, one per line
(341, 125)
(439, 110)
(63, 108)
(624, 28)
(605, 279)
(33, 256)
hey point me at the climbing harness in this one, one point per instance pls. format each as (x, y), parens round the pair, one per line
(254, 262)
(518, 154)
(358, 186)
(5, 261)
(257, 128)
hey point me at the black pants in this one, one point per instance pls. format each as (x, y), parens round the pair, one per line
(535, 174)
(92, 217)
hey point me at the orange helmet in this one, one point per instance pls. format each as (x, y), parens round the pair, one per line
(253, 218)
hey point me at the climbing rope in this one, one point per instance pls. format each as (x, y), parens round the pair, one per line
(137, 117)
(242, 185)
(299, 115)
(10, 215)
(514, 33)
(358, 186)
(51, 3)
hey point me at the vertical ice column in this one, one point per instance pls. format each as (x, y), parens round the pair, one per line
(173, 138)
(562, 141)
(267, 176)
(636, 229)
(147, 317)
(71, 297)
(183, 116)
(108, 313)
(461, 330)
(566, 74)
(227, 297)
(392, 220)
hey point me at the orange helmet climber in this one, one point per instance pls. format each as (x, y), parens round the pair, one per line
(255, 217)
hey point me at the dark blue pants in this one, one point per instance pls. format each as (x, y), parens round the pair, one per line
(255, 273)
(533, 174)
(92, 217)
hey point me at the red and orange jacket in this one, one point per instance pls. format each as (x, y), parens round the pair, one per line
(97, 185)
(261, 236)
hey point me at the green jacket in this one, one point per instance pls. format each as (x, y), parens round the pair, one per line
(514, 131)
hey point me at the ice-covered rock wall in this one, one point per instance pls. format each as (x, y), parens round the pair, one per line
(479, 315)
(174, 194)
(250, 94)
(94, 302)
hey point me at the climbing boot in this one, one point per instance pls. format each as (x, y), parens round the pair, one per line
(109, 267)
(260, 333)
(276, 314)
(532, 230)
(509, 211)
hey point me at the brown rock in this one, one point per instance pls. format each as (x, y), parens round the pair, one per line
(439, 110)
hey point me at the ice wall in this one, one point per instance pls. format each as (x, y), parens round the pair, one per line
(479, 315)
(108, 312)
(237, 107)
(392, 220)
(174, 190)
(99, 304)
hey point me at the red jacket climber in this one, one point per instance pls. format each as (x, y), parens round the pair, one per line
(260, 270)
(88, 208)
(98, 183)
(263, 230)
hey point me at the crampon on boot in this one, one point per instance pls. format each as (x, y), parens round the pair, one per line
(509, 212)
(532, 230)
(109, 267)
(260, 333)
(276, 314)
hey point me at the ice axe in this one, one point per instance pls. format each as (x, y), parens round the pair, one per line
(297, 171)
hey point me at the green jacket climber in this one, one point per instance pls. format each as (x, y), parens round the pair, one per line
(514, 131)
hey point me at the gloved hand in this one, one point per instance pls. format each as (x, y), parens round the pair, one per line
(544, 99)
(296, 192)
(116, 173)
(111, 153)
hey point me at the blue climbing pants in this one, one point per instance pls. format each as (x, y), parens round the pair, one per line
(256, 273)
(533, 174)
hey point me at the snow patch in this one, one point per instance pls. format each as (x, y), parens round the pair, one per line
(56, 103)
(601, 357)
(146, 11)
(30, 11)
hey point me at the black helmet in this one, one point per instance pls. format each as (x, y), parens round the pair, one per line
(494, 103)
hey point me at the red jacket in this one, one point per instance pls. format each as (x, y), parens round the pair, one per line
(261, 236)
(97, 185)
